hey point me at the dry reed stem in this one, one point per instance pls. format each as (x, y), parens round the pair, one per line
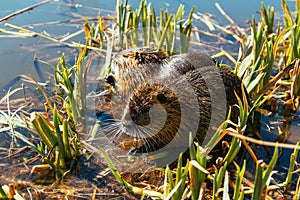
(224, 13)
(73, 44)
(23, 10)
(70, 21)
(261, 142)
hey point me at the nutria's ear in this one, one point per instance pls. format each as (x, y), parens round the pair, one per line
(110, 79)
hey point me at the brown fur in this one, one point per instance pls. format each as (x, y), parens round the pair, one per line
(133, 71)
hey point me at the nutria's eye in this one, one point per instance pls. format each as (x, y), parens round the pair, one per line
(110, 79)
(161, 98)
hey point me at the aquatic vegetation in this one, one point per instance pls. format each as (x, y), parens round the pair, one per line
(2, 193)
(260, 52)
(268, 59)
(267, 50)
(155, 30)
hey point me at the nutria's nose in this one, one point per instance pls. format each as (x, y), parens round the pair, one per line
(102, 115)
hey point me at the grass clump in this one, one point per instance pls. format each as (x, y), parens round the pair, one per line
(267, 50)
(268, 60)
(143, 27)
(262, 51)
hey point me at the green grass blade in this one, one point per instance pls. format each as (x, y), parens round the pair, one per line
(274, 159)
(288, 19)
(297, 192)
(233, 150)
(238, 182)
(43, 130)
(66, 143)
(74, 141)
(218, 180)
(262, 177)
(246, 63)
(173, 191)
(258, 182)
(170, 179)
(226, 195)
(164, 33)
(128, 186)
(293, 157)
(58, 133)
(2, 193)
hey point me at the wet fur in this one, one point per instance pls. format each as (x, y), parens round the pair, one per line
(133, 67)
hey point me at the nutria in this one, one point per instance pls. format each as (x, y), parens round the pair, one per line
(184, 92)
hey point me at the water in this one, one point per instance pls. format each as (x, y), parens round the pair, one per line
(17, 54)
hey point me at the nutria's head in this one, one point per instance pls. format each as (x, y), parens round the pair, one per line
(154, 105)
(145, 106)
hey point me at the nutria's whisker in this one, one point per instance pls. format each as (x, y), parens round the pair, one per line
(112, 128)
(114, 133)
(110, 121)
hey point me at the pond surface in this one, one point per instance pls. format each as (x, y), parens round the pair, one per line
(17, 54)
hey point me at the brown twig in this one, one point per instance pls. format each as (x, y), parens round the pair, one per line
(32, 32)
(23, 10)
(275, 78)
(73, 44)
(70, 21)
(260, 142)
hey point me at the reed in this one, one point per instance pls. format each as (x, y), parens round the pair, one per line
(143, 28)
(57, 134)
(266, 46)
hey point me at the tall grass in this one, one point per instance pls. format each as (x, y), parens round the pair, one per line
(57, 130)
(267, 46)
(143, 27)
(268, 50)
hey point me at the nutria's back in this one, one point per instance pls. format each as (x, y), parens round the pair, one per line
(159, 100)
